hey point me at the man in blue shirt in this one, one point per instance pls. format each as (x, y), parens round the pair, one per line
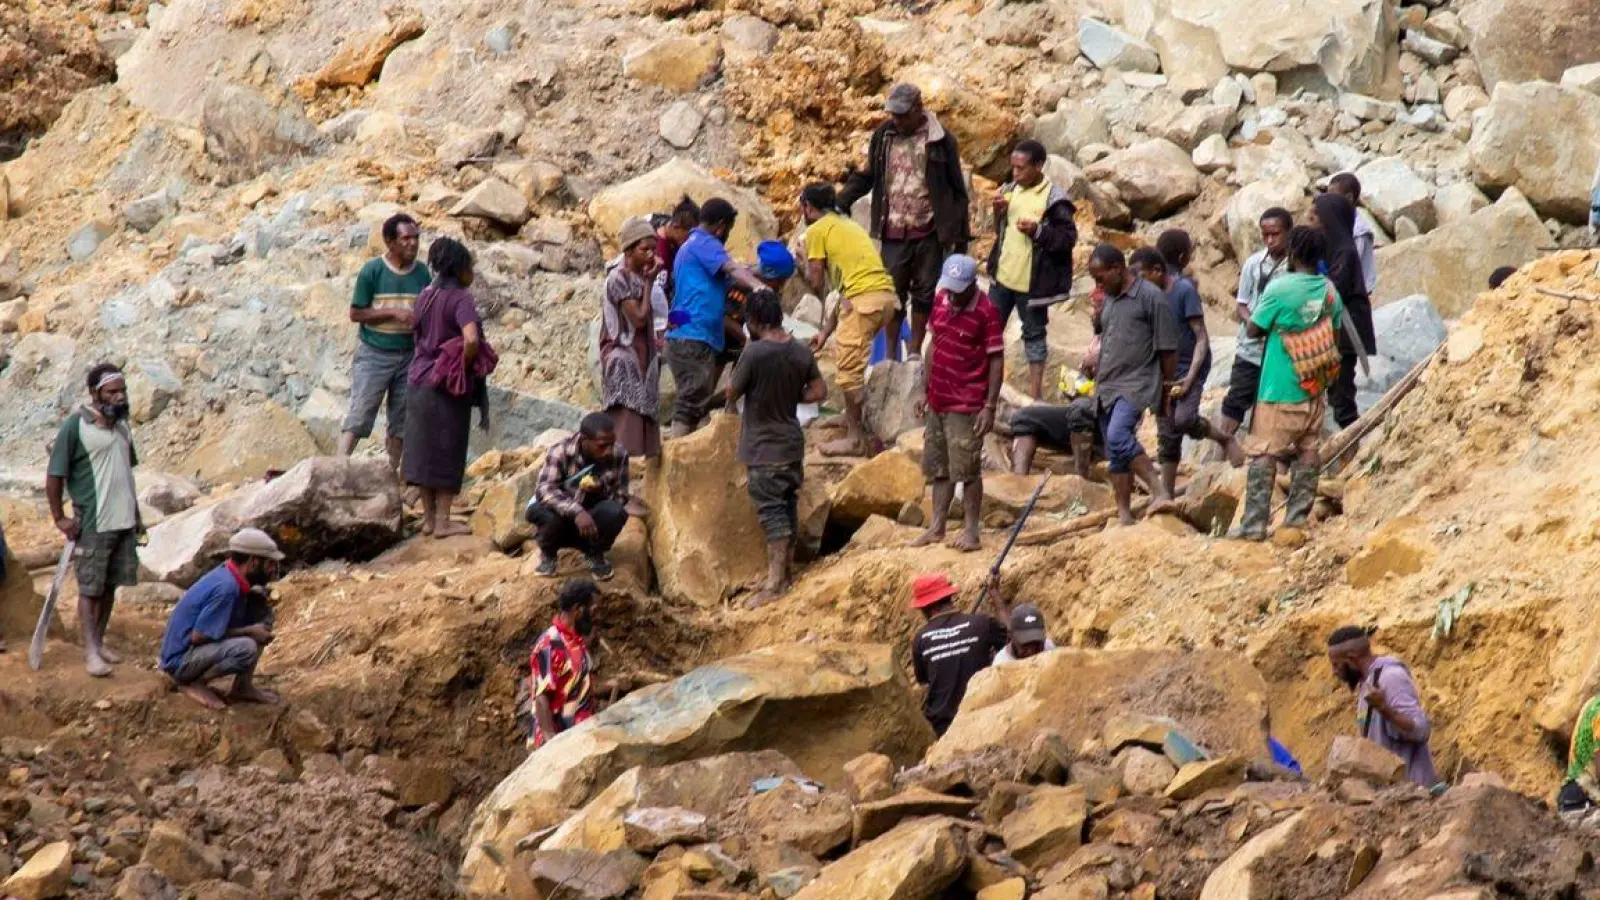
(696, 327)
(221, 625)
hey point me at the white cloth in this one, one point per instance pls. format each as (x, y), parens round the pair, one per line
(1006, 656)
(1366, 248)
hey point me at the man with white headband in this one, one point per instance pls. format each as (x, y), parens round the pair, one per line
(93, 459)
(1388, 710)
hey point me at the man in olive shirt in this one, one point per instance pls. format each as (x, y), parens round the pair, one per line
(1138, 367)
(386, 292)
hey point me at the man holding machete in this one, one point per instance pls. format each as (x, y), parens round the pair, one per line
(93, 459)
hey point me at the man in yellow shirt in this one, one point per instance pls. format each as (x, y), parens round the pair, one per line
(1031, 264)
(840, 252)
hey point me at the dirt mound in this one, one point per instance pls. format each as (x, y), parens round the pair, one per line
(48, 53)
(332, 835)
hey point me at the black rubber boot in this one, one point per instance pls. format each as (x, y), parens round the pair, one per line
(1258, 484)
(1302, 495)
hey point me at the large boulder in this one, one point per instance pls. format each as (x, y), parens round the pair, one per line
(915, 861)
(1391, 189)
(1408, 331)
(500, 516)
(1219, 697)
(1073, 125)
(820, 705)
(1513, 146)
(891, 392)
(704, 535)
(19, 602)
(324, 508)
(1155, 178)
(1530, 40)
(659, 189)
(1111, 49)
(878, 487)
(679, 63)
(1452, 263)
(707, 787)
(245, 134)
(250, 443)
(1351, 45)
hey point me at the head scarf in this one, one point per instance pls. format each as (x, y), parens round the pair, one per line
(1338, 218)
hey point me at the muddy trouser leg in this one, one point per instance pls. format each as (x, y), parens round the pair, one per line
(1259, 479)
(1302, 494)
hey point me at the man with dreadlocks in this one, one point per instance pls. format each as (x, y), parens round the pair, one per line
(1298, 365)
(1388, 711)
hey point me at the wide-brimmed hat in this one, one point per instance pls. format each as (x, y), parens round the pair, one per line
(930, 589)
(254, 542)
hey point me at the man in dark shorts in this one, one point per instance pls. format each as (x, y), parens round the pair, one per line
(951, 648)
(960, 390)
(582, 497)
(1137, 367)
(222, 623)
(384, 299)
(1194, 364)
(92, 460)
(1258, 271)
(919, 206)
(775, 374)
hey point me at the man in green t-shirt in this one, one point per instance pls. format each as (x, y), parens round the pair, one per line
(93, 459)
(1290, 403)
(386, 292)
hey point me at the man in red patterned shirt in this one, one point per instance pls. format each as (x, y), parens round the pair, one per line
(961, 386)
(562, 687)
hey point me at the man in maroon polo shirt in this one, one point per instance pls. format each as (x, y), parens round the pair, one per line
(961, 385)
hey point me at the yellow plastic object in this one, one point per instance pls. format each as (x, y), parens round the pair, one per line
(588, 483)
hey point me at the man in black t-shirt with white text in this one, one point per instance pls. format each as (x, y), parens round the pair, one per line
(950, 649)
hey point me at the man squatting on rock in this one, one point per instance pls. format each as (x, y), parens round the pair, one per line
(581, 500)
(222, 623)
(92, 459)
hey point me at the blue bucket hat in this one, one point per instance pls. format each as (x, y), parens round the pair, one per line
(774, 261)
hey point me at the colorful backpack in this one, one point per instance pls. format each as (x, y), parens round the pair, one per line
(1314, 351)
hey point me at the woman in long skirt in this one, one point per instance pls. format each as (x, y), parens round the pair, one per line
(438, 420)
(630, 370)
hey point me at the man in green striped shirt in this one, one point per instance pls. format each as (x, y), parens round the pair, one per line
(93, 460)
(385, 295)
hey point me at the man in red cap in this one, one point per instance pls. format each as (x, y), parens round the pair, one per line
(950, 649)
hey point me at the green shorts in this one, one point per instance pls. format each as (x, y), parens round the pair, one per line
(106, 560)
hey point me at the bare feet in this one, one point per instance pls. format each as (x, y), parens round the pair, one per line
(1235, 452)
(765, 596)
(1161, 504)
(96, 666)
(1126, 519)
(251, 695)
(844, 446)
(450, 529)
(427, 527)
(636, 508)
(109, 655)
(967, 543)
(931, 536)
(202, 695)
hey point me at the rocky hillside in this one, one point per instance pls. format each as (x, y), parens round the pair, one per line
(202, 218)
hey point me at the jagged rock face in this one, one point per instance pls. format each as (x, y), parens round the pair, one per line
(1452, 263)
(819, 704)
(661, 188)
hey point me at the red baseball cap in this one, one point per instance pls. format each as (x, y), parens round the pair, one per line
(930, 589)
